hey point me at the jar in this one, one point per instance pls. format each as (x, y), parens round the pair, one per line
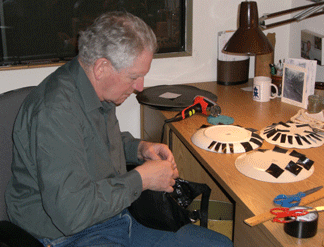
(315, 103)
(319, 88)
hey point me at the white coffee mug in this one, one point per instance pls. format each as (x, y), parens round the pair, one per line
(262, 89)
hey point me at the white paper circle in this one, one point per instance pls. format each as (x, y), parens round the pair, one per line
(292, 135)
(226, 139)
(255, 164)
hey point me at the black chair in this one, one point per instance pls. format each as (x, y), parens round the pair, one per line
(10, 234)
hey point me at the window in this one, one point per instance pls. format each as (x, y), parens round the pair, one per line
(46, 31)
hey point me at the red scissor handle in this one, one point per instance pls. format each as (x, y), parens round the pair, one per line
(282, 213)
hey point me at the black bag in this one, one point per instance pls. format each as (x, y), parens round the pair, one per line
(168, 211)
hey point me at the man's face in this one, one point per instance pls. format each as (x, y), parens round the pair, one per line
(117, 86)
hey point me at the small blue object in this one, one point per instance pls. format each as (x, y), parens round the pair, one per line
(220, 119)
(293, 200)
(289, 201)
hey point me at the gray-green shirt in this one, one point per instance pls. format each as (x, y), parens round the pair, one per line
(69, 158)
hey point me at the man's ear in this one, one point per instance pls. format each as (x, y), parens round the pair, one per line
(101, 68)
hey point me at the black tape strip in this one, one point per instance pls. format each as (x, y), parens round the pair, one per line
(279, 150)
(283, 138)
(271, 133)
(276, 137)
(284, 124)
(315, 136)
(274, 170)
(262, 150)
(204, 126)
(305, 139)
(224, 148)
(305, 162)
(296, 154)
(319, 136)
(247, 146)
(290, 139)
(279, 130)
(217, 146)
(293, 168)
(256, 141)
(252, 130)
(231, 147)
(211, 144)
(302, 125)
(267, 129)
(298, 140)
(311, 138)
(256, 136)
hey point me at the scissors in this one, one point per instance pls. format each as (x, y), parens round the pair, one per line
(293, 200)
(283, 213)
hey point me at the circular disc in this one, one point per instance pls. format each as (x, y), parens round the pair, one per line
(292, 135)
(226, 139)
(172, 97)
(255, 165)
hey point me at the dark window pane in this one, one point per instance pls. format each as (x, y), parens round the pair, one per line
(48, 29)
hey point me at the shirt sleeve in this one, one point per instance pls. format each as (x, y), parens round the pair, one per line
(71, 198)
(130, 147)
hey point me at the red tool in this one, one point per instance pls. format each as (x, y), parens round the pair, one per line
(201, 105)
(282, 214)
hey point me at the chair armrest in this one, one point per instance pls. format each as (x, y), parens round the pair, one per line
(12, 235)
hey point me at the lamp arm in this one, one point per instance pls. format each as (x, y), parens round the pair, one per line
(307, 13)
(294, 19)
(288, 11)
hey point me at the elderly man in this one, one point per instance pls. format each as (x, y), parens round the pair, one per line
(70, 186)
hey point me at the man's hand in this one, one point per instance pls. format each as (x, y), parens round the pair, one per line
(160, 170)
(158, 175)
(155, 151)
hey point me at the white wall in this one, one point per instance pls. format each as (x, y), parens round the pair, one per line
(209, 17)
(314, 24)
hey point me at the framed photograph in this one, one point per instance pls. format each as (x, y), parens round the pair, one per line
(312, 46)
(310, 66)
(294, 85)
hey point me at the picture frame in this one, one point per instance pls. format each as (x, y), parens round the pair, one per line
(312, 46)
(294, 86)
(311, 67)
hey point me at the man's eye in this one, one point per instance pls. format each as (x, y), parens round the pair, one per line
(134, 78)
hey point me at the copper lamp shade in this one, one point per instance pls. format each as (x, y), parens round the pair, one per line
(248, 39)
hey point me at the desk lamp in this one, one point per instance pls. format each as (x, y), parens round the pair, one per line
(249, 38)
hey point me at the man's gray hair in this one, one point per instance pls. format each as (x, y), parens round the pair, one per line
(118, 36)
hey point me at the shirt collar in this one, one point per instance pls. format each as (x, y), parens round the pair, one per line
(85, 88)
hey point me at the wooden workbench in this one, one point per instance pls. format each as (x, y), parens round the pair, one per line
(249, 196)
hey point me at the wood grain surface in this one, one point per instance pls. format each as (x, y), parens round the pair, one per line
(255, 196)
